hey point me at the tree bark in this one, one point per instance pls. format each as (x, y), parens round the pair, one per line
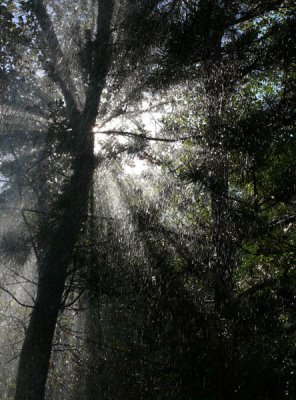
(53, 264)
(222, 263)
(223, 249)
(94, 361)
(36, 350)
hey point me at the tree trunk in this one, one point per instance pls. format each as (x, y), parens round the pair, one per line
(216, 95)
(223, 249)
(94, 361)
(35, 354)
(53, 265)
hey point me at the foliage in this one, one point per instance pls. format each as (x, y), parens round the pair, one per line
(178, 283)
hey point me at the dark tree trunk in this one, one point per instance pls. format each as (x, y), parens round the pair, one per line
(216, 96)
(35, 355)
(56, 256)
(95, 363)
(223, 249)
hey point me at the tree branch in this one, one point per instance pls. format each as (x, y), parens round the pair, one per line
(284, 221)
(61, 68)
(23, 210)
(14, 298)
(99, 64)
(143, 137)
(255, 12)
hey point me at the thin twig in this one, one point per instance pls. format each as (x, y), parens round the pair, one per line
(15, 299)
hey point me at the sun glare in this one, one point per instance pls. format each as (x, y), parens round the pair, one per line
(134, 166)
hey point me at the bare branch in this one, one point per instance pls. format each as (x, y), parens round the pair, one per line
(31, 210)
(30, 234)
(11, 359)
(73, 301)
(15, 298)
(143, 137)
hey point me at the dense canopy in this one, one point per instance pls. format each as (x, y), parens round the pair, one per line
(147, 199)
